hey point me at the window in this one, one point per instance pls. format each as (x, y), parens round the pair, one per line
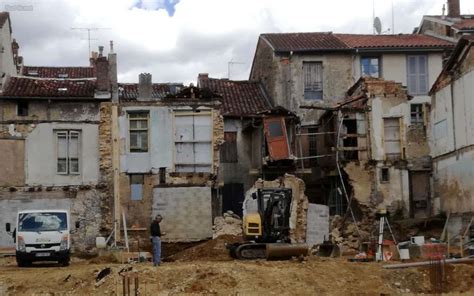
(229, 148)
(417, 74)
(22, 109)
(370, 66)
(136, 186)
(138, 127)
(68, 152)
(384, 175)
(392, 143)
(313, 80)
(416, 114)
(193, 142)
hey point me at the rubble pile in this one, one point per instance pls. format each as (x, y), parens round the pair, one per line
(346, 234)
(227, 224)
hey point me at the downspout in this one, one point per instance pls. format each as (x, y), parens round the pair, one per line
(451, 87)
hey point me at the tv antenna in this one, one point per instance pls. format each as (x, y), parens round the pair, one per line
(229, 66)
(89, 29)
(377, 25)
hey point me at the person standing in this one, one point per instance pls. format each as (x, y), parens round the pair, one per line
(156, 239)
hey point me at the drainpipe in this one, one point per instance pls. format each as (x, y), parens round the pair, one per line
(451, 87)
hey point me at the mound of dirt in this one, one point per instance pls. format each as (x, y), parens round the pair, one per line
(211, 250)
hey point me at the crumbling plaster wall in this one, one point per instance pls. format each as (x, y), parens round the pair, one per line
(452, 140)
(337, 78)
(265, 68)
(12, 153)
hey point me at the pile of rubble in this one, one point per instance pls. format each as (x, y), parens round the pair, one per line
(227, 224)
(347, 235)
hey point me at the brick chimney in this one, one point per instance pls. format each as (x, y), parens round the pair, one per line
(144, 87)
(202, 77)
(112, 57)
(102, 74)
(454, 9)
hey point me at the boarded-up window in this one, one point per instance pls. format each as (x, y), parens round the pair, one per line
(276, 136)
(313, 80)
(193, 141)
(229, 148)
(138, 128)
(392, 143)
(417, 74)
(68, 152)
(136, 186)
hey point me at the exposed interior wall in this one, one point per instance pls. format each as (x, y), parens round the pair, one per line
(264, 68)
(239, 171)
(13, 162)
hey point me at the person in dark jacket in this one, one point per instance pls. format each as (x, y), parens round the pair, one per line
(156, 239)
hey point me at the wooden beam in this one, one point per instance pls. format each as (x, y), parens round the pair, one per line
(116, 171)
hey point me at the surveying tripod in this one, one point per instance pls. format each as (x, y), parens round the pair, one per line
(379, 256)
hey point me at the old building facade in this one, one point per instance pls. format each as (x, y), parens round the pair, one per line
(451, 131)
(168, 139)
(50, 130)
(259, 140)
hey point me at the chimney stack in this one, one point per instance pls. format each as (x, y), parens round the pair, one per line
(102, 73)
(201, 78)
(144, 87)
(454, 8)
(112, 63)
(101, 50)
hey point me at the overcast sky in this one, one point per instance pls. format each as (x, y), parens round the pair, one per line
(177, 39)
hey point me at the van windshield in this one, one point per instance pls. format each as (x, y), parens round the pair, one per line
(46, 221)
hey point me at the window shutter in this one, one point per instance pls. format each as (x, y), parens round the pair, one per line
(73, 152)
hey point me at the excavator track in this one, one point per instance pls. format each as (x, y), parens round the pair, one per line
(252, 250)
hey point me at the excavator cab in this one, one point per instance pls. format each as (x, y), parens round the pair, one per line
(267, 231)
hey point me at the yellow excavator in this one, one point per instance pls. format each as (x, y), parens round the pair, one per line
(267, 231)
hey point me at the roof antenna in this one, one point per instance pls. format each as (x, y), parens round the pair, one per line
(229, 66)
(393, 20)
(443, 10)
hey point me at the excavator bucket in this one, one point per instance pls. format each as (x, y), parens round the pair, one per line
(277, 251)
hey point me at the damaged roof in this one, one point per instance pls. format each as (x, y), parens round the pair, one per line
(129, 91)
(455, 60)
(324, 41)
(58, 72)
(24, 87)
(240, 98)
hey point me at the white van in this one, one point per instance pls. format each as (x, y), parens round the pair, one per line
(42, 235)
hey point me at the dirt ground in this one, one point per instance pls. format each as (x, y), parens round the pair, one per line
(206, 269)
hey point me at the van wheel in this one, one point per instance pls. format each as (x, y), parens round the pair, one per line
(23, 263)
(65, 261)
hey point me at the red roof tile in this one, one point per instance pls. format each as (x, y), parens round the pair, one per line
(240, 98)
(304, 41)
(320, 41)
(48, 88)
(59, 72)
(393, 41)
(129, 91)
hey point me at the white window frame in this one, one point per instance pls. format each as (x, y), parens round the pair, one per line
(192, 166)
(68, 135)
(418, 114)
(415, 89)
(379, 66)
(130, 130)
